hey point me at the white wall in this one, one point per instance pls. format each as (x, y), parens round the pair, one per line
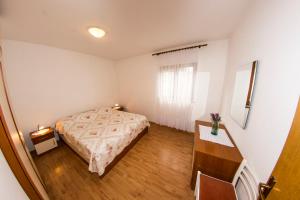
(10, 188)
(137, 79)
(137, 76)
(45, 83)
(270, 33)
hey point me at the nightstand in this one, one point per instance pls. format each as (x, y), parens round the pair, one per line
(43, 140)
(119, 108)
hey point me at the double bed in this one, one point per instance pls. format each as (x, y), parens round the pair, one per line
(102, 136)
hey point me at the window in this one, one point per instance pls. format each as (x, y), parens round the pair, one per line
(176, 84)
(175, 92)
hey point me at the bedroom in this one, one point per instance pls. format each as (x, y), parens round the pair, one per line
(52, 68)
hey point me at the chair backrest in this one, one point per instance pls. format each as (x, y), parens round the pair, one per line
(245, 182)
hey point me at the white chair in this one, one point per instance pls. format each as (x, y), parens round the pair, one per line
(243, 187)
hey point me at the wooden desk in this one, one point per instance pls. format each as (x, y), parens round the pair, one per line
(214, 159)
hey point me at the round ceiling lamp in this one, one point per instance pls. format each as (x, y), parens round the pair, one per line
(96, 32)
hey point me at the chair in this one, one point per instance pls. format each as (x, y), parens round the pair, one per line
(243, 187)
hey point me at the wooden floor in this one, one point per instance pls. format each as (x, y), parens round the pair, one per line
(158, 167)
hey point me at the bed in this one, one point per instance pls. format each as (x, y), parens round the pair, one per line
(102, 136)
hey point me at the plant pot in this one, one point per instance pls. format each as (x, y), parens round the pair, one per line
(215, 128)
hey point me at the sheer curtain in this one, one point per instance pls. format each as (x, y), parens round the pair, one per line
(175, 89)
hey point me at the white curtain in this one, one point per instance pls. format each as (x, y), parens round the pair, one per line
(175, 89)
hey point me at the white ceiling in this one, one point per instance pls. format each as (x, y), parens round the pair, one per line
(133, 27)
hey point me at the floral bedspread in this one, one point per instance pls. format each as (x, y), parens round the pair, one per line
(102, 132)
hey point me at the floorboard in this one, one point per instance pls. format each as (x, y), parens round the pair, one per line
(158, 167)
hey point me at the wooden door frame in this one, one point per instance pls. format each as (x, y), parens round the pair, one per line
(11, 154)
(14, 161)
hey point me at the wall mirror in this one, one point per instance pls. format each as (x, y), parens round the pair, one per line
(242, 93)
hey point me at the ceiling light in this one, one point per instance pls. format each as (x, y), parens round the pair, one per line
(96, 32)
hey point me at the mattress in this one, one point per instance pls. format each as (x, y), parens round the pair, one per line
(100, 134)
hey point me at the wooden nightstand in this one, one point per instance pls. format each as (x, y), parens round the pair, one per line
(43, 140)
(119, 108)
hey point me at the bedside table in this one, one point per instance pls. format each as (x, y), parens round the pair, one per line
(43, 140)
(119, 108)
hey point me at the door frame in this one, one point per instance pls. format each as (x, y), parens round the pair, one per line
(14, 161)
(11, 153)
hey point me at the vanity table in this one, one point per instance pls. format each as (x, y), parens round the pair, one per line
(213, 159)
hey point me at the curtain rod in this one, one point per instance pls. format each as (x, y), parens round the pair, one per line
(180, 49)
